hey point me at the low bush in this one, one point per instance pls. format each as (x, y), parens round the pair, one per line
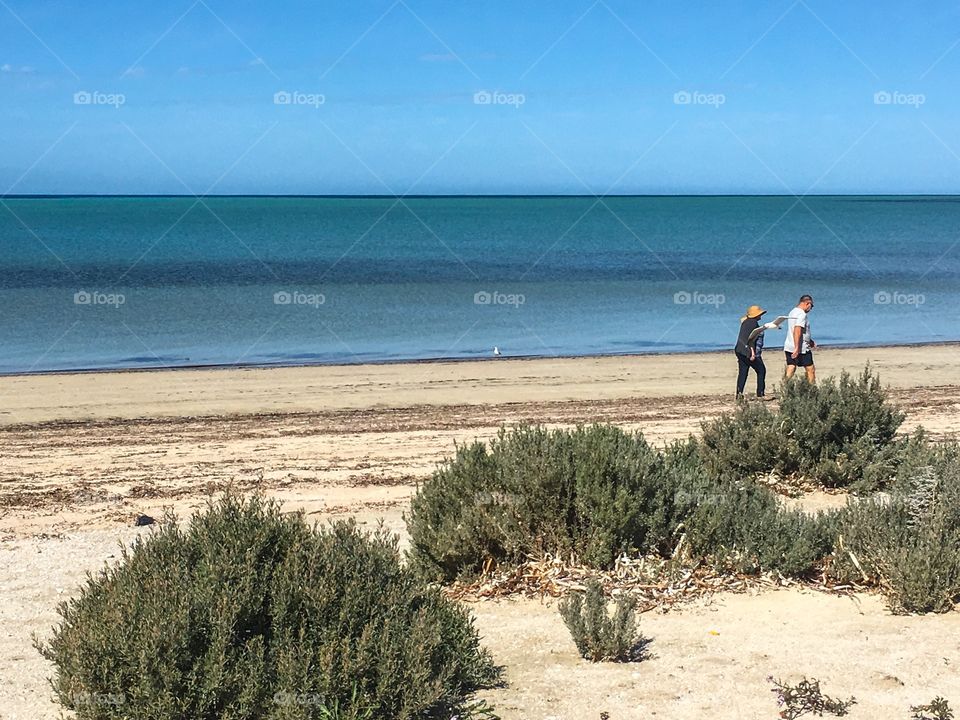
(597, 492)
(909, 540)
(250, 613)
(744, 526)
(826, 417)
(806, 698)
(593, 492)
(936, 709)
(598, 635)
(840, 433)
(749, 441)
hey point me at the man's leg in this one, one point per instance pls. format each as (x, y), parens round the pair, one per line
(811, 374)
(791, 368)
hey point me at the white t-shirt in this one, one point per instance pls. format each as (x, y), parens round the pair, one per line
(797, 318)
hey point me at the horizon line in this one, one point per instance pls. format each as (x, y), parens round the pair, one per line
(420, 196)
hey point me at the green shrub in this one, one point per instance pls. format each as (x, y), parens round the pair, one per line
(597, 492)
(936, 709)
(594, 491)
(909, 541)
(743, 525)
(843, 430)
(806, 698)
(598, 635)
(250, 613)
(840, 433)
(747, 442)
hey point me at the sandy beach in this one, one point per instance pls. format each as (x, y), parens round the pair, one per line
(84, 454)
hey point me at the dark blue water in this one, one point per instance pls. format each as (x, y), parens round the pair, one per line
(151, 282)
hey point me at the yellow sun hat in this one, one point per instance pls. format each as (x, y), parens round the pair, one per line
(755, 311)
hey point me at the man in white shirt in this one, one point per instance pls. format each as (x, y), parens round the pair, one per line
(798, 345)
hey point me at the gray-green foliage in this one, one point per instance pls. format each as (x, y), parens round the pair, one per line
(841, 433)
(593, 491)
(250, 613)
(744, 525)
(909, 539)
(596, 492)
(598, 634)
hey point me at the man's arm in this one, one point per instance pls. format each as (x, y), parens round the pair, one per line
(797, 340)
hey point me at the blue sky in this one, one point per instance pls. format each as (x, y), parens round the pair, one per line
(584, 97)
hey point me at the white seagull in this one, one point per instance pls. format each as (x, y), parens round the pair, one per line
(496, 351)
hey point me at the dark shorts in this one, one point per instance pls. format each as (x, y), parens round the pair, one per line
(802, 360)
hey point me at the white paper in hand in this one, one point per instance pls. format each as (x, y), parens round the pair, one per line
(772, 325)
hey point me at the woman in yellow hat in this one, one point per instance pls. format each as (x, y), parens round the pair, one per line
(748, 350)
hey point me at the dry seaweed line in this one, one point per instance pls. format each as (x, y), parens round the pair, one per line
(656, 582)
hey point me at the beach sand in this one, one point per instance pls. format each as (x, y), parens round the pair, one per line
(83, 454)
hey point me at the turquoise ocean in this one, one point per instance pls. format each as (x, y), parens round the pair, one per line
(140, 282)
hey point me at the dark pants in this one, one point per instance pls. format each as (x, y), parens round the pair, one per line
(745, 363)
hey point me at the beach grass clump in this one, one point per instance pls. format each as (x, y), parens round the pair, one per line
(598, 634)
(838, 433)
(246, 612)
(589, 493)
(908, 540)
